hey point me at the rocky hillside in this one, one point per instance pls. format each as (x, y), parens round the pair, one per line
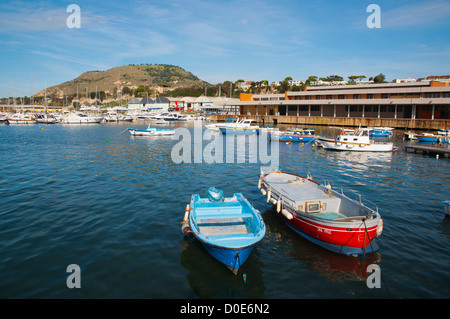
(131, 76)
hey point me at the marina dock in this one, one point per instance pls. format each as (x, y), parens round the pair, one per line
(425, 149)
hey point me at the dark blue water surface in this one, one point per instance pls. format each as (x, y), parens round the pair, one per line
(112, 203)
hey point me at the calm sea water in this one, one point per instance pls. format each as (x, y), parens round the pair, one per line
(112, 203)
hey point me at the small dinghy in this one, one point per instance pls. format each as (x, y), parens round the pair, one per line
(320, 214)
(228, 228)
(291, 137)
(151, 131)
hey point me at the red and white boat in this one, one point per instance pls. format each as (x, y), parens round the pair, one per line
(322, 215)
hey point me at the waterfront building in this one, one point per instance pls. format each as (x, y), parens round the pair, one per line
(427, 100)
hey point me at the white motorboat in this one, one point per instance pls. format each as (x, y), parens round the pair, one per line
(21, 118)
(46, 119)
(165, 117)
(444, 132)
(112, 116)
(149, 131)
(228, 121)
(358, 140)
(81, 118)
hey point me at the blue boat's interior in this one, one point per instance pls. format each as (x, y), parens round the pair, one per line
(233, 216)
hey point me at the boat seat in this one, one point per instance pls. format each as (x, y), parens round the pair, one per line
(228, 237)
(226, 215)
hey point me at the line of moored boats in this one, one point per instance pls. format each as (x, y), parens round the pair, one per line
(91, 118)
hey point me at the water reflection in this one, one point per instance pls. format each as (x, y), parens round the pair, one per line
(208, 278)
(333, 266)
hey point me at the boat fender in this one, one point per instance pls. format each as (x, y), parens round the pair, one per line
(186, 213)
(263, 191)
(287, 214)
(273, 201)
(269, 193)
(185, 229)
(280, 201)
(379, 228)
(259, 183)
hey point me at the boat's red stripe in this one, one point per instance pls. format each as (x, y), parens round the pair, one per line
(335, 235)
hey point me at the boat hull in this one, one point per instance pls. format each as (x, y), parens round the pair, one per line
(20, 122)
(151, 132)
(239, 130)
(82, 120)
(432, 139)
(347, 239)
(233, 259)
(291, 137)
(358, 147)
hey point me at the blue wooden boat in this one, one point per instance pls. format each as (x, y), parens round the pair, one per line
(228, 228)
(432, 138)
(291, 137)
(380, 131)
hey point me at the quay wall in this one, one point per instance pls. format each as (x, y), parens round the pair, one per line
(407, 124)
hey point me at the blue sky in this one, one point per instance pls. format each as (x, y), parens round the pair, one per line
(222, 40)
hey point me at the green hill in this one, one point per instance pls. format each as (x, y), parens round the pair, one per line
(131, 76)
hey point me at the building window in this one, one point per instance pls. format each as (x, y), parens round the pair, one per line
(368, 108)
(315, 107)
(432, 95)
(384, 96)
(370, 96)
(341, 97)
(447, 94)
(303, 108)
(329, 97)
(307, 97)
(318, 97)
(383, 108)
(356, 96)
